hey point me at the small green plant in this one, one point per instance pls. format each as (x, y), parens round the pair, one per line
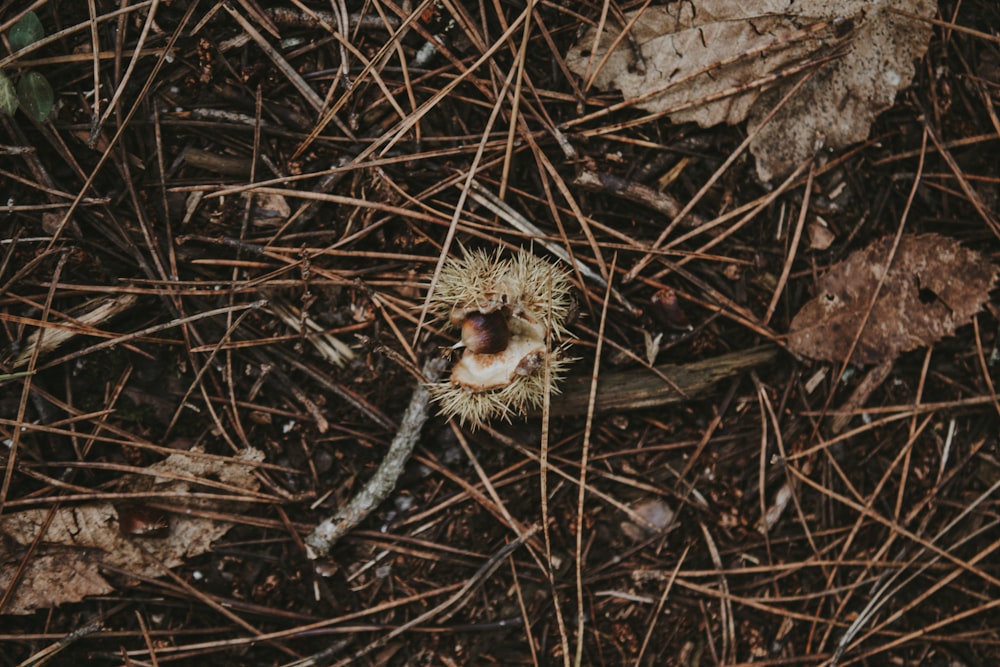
(33, 93)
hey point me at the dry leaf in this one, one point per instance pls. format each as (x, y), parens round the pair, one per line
(934, 286)
(705, 57)
(58, 334)
(820, 236)
(82, 539)
(270, 209)
(649, 517)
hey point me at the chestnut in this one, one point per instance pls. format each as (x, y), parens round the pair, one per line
(510, 311)
(486, 333)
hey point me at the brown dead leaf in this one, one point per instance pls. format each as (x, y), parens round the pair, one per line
(820, 236)
(700, 62)
(82, 539)
(933, 286)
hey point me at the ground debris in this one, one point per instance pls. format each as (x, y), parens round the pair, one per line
(82, 539)
(718, 61)
(933, 286)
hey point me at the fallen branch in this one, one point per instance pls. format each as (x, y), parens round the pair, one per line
(642, 388)
(378, 488)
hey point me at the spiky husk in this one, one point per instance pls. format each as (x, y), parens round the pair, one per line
(523, 394)
(542, 291)
(475, 282)
(536, 296)
(484, 281)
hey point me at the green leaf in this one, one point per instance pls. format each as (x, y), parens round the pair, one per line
(8, 98)
(36, 95)
(26, 31)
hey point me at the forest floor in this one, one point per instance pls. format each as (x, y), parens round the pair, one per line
(214, 280)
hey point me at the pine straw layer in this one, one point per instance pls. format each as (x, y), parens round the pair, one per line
(885, 551)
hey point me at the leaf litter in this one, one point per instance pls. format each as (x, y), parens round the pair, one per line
(275, 384)
(933, 286)
(82, 540)
(716, 61)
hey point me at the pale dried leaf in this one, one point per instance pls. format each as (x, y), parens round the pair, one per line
(700, 62)
(58, 334)
(679, 43)
(837, 106)
(649, 517)
(776, 510)
(270, 209)
(82, 539)
(820, 236)
(933, 286)
(653, 345)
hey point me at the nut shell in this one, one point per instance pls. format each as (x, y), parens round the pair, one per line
(510, 311)
(486, 333)
(486, 372)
